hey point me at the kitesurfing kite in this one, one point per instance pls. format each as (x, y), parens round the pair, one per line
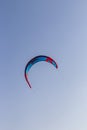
(35, 60)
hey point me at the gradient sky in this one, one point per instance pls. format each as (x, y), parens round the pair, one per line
(58, 98)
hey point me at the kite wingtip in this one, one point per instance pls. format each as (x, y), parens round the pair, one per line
(57, 66)
(30, 86)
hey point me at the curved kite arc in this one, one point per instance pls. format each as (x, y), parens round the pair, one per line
(35, 60)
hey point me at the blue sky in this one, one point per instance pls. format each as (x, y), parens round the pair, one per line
(58, 98)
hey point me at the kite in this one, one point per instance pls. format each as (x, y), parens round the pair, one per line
(35, 60)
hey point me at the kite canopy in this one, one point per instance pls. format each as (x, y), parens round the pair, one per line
(35, 60)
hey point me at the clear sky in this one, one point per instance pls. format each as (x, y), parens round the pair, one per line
(58, 98)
